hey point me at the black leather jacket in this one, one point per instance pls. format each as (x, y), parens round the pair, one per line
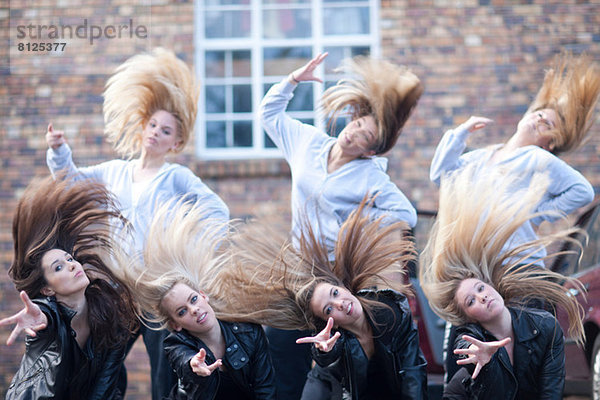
(398, 358)
(538, 370)
(246, 358)
(55, 367)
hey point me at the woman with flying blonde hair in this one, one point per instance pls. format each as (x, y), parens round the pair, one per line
(557, 121)
(509, 350)
(150, 105)
(374, 352)
(79, 317)
(174, 286)
(330, 176)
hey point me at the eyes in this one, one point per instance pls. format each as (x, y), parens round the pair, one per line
(543, 121)
(329, 309)
(183, 311)
(471, 299)
(164, 131)
(59, 266)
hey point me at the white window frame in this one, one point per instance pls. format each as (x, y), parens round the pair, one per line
(256, 45)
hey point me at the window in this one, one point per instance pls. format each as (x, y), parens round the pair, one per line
(245, 46)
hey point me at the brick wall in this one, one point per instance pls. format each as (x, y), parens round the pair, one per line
(475, 58)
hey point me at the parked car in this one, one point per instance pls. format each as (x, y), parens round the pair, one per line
(583, 363)
(431, 327)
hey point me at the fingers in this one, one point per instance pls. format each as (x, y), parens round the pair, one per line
(214, 365)
(308, 339)
(331, 341)
(50, 127)
(476, 372)
(503, 342)
(472, 340)
(9, 320)
(465, 361)
(328, 326)
(26, 300)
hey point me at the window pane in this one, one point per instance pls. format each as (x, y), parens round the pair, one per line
(338, 53)
(268, 142)
(215, 134)
(286, 2)
(215, 99)
(346, 20)
(242, 133)
(241, 63)
(279, 24)
(215, 64)
(283, 60)
(303, 98)
(242, 98)
(227, 24)
(226, 2)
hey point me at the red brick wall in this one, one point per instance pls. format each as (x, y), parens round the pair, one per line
(475, 58)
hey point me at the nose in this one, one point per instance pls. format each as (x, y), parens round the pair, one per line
(339, 304)
(71, 266)
(483, 297)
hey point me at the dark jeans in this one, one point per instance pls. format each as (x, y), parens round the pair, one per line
(291, 361)
(162, 376)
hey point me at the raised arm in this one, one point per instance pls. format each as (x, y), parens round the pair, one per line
(281, 128)
(453, 143)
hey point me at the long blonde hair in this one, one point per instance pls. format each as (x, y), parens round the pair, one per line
(269, 281)
(182, 246)
(571, 88)
(142, 85)
(379, 88)
(475, 220)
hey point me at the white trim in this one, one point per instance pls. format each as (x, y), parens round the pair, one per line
(256, 44)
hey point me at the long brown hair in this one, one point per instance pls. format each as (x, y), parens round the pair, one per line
(269, 281)
(571, 88)
(378, 88)
(76, 217)
(475, 219)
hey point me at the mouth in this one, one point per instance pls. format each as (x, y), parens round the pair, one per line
(201, 318)
(78, 274)
(490, 303)
(349, 309)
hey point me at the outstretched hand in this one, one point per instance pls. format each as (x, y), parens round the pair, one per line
(199, 366)
(475, 123)
(307, 72)
(30, 319)
(323, 341)
(479, 353)
(54, 138)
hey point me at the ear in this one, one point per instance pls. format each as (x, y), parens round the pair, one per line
(369, 153)
(204, 295)
(177, 146)
(175, 326)
(46, 291)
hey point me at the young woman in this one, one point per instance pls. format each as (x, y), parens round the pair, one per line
(149, 109)
(374, 352)
(213, 358)
(83, 315)
(557, 122)
(330, 176)
(509, 350)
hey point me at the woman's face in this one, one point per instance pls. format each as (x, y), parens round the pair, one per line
(478, 300)
(535, 128)
(63, 274)
(359, 137)
(188, 309)
(160, 134)
(336, 302)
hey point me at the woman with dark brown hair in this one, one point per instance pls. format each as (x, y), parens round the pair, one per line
(374, 352)
(80, 317)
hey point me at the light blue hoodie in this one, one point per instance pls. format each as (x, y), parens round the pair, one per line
(172, 181)
(328, 199)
